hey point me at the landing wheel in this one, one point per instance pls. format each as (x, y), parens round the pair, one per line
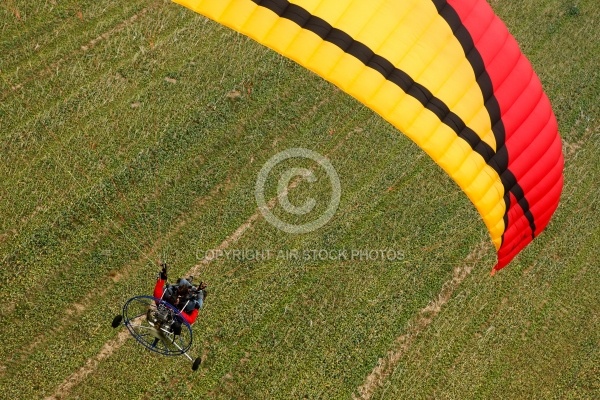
(196, 363)
(117, 321)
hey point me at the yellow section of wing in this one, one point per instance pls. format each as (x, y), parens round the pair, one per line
(412, 36)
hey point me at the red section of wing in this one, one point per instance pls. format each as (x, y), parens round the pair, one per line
(528, 129)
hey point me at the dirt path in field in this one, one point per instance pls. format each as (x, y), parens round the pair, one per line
(386, 365)
(107, 350)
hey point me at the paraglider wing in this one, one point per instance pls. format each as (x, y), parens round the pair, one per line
(448, 74)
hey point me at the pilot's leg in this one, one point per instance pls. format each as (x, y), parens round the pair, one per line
(176, 327)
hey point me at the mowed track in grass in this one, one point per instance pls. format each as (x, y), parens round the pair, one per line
(135, 133)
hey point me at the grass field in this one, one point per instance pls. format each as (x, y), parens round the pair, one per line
(134, 132)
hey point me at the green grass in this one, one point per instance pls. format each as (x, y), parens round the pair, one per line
(120, 146)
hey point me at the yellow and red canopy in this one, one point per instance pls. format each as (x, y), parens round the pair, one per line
(448, 74)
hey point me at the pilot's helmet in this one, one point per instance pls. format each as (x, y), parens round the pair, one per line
(184, 282)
